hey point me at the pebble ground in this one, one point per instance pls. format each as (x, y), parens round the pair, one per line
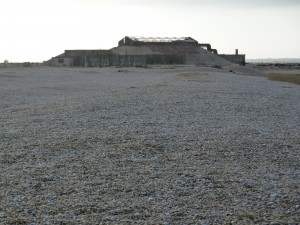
(184, 145)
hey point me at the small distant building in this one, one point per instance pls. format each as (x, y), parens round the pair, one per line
(61, 60)
(140, 51)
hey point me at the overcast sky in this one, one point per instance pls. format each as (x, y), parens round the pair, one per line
(36, 30)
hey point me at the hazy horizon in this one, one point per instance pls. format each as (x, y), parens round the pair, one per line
(37, 30)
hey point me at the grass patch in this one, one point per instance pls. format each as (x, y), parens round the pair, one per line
(192, 74)
(290, 78)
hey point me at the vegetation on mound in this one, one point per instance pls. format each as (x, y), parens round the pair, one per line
(290, 78)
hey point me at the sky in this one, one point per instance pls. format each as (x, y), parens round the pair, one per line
(36, 30)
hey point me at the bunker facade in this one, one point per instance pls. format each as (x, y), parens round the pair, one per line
(141, 51)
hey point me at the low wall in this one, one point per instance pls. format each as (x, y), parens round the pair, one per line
(238, 59)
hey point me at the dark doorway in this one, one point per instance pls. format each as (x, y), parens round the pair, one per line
(76, 61)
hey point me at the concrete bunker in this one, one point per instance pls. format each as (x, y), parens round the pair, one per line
(140, 51)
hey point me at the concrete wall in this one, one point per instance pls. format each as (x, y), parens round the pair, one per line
(166, 59)
(89, 58)
(238, 59)
(163, 56)
(115, 60)
(103, 58)
(131, 60)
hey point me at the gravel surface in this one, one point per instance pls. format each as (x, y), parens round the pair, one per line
(190, 145)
